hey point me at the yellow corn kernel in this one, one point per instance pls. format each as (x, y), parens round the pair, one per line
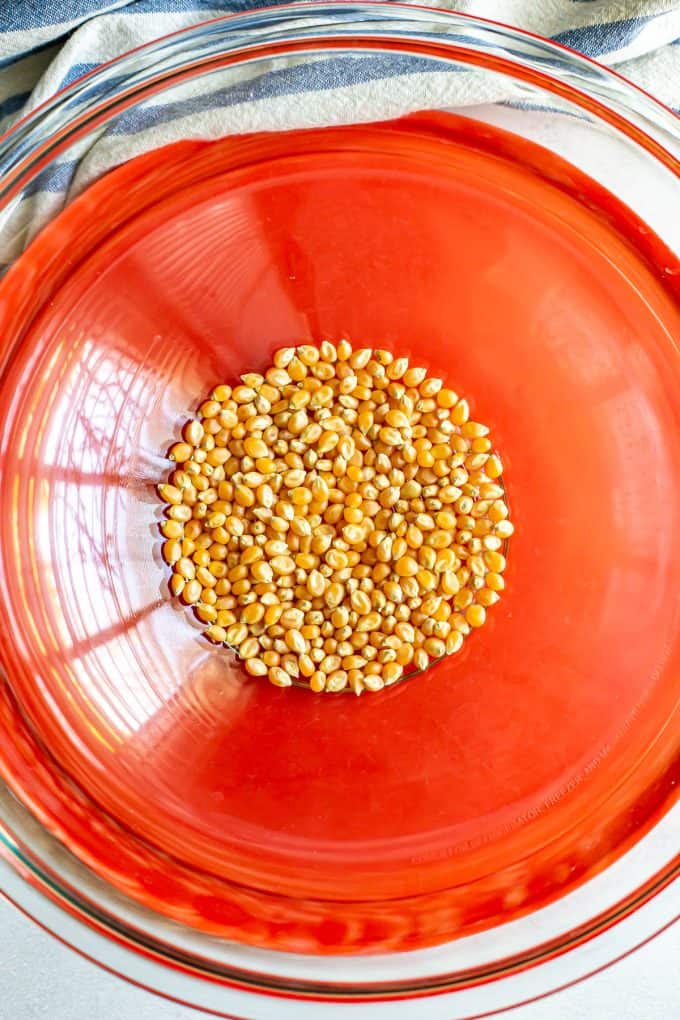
(334, 594)
(256, 667)
(475, 615)
(494, 581)
(360, 602)
(170, 494)
(279, 677)
(390, 436)
(397, 419)
(406, 566)
(282, 565)
(391, 672)
(216, 633)
(371, 621)
(191, 592)
(426, 580)
(253, 613)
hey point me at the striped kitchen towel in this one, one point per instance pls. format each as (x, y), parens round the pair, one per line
(47, 44)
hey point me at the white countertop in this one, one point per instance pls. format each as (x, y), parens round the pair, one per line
(40, 978)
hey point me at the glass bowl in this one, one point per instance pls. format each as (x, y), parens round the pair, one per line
(500, 209)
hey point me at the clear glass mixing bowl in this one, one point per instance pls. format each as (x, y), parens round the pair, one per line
(474, 839)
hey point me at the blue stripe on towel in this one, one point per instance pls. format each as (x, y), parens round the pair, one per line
(608, 37)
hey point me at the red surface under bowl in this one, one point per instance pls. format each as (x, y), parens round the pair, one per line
(504, 775)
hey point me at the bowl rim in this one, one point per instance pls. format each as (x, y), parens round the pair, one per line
(141, 966)
(648, 121)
